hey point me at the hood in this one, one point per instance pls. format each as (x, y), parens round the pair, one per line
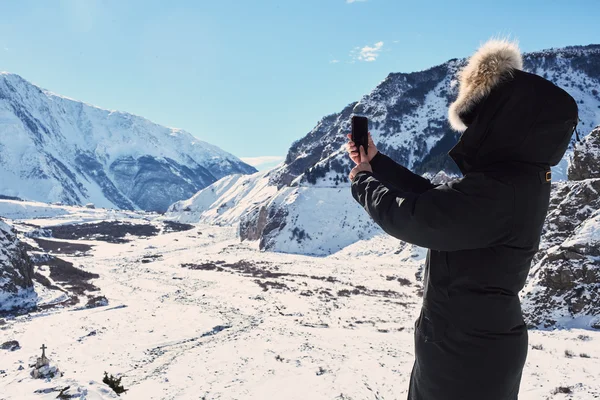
(508, 118)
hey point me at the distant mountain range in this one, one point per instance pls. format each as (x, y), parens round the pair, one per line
(55, 149)
(304, 206)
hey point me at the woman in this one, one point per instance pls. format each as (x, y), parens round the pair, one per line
(481, 230)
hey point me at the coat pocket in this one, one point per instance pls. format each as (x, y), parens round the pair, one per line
(431, 329)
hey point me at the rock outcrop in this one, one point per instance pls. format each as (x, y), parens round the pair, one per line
(16, 268)
(564, 284)
(586, 158)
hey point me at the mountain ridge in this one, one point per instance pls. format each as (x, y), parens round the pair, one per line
(57, 149)
(394, 86)
(408, 121)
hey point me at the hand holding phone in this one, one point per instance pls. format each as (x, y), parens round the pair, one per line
(353, 148)
(360, 132)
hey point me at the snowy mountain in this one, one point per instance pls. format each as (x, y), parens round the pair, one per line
(408, 117)
(111, 286)
(299, 220)
(306, 206)
(55, 149)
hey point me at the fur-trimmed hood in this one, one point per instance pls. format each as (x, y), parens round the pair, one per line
(494, 62)
(507, 115)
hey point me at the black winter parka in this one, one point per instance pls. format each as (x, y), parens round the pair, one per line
(481, 230)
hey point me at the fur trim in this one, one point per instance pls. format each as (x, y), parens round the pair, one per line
(493, 62)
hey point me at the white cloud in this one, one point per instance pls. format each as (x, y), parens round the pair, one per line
(334, 61)
(260, 160)
(354, 1)
(368, 53)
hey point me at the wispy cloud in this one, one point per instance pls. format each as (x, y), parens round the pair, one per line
(261, 160)
(334, 61)
(367, 53)
(354, 1)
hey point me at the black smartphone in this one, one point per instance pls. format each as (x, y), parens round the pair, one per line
(360, 132)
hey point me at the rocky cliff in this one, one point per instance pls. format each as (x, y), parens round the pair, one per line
(16, 269)
(564, 284)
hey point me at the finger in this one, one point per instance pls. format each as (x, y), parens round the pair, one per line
(349, 136)
(363, 155)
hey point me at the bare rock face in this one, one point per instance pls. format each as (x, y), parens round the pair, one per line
(16, 269)
(564, 283)
(253, 223)
(276, 222)
(586, 158)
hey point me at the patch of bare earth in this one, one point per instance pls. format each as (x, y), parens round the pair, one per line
(271, 278)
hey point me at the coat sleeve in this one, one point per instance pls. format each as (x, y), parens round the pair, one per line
(469, 213)
(388, 171)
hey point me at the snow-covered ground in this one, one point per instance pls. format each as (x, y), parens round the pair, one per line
(198, 315)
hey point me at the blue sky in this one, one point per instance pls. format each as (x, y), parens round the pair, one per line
(253, 76)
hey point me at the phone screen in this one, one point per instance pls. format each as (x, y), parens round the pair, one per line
(360, 131)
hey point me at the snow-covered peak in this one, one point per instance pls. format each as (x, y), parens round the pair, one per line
(73, 152)
(408, 117)
(311, 210)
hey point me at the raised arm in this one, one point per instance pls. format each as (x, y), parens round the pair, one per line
(469, 213)
(389, 171)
